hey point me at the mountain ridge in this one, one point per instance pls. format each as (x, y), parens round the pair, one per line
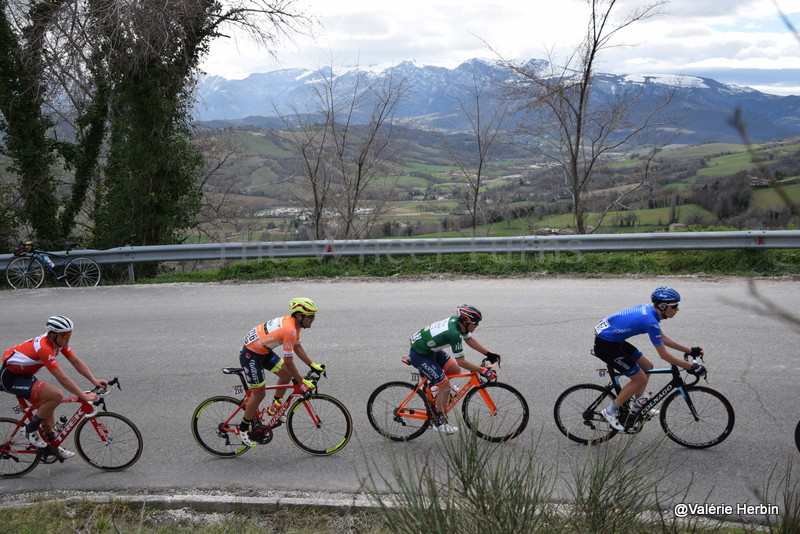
(259, 99)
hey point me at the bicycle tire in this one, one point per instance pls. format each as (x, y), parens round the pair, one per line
(511, 415)
(207, 430)
(797, 436)
(328, 436)
(109, 441)
(715, 413)
(577, 414)
(81, 272)
(17, 456)
(24, 273)
(382, 411)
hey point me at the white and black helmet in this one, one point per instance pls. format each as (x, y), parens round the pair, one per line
(59, 324)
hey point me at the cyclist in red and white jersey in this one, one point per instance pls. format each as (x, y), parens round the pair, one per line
(22, 361)
(257, 356)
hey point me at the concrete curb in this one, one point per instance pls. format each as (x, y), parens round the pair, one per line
(212, 503)
(223, 503)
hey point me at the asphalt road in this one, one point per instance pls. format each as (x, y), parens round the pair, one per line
(167, 343)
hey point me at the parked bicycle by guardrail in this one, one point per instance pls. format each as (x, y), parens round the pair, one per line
(694, 416)
(27, 269)
(105, 440)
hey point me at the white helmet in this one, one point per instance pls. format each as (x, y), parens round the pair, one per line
(59, 324)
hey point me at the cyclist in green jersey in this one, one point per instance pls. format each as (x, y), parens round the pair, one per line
(428, 356)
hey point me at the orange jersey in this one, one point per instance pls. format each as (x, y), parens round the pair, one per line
(30, 356)
(278, 331)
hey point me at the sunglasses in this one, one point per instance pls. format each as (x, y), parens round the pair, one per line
(66, 335)
(673, 306)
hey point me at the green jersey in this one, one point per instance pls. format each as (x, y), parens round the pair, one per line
(439, 335)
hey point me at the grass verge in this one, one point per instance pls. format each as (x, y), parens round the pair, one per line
(614, 488)
(752, 263)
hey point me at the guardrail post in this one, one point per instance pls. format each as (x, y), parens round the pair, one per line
(131, 276)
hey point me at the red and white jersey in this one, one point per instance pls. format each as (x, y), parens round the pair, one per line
(278, 331)
(30, 356)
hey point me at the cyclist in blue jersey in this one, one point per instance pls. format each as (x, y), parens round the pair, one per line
(427, 354)
(611, 346)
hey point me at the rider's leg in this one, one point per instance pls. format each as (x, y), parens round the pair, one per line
(48, 397)
(256, 396)
(285, 373)
(636, 386)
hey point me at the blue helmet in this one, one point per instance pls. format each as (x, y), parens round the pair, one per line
(665, 294)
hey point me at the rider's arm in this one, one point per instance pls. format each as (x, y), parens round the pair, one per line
(469, 366)
(301, 353)
(670, 358)
(473, 344)
(68, 384)
(83, 369)
(289, 365)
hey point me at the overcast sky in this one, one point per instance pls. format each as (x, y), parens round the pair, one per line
(744, 42)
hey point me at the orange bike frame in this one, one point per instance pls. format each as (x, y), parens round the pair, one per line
(473, 382)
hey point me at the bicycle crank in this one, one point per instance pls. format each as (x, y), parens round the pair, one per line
(49, 455)
(261, 434)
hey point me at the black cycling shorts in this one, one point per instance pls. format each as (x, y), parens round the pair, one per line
(254, 365)
(620, 355)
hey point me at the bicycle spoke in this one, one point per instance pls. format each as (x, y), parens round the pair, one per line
(320, 425)
(713, 422)
(577, 414)
(397, 412)
(109, 441)
(17, 456)
(24, 273)
(497, 412)
(208, 427)
(82, 272)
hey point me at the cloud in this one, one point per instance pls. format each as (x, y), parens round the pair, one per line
(741, 35)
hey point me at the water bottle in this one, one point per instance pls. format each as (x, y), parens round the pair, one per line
(49, 262)
(60, 424)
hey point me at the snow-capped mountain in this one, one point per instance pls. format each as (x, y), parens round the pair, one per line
(434, 93)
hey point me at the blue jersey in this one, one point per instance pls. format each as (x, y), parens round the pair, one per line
(631, 322)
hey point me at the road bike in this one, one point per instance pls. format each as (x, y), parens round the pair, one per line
(403, 411)
(316, 423)
(27, 269)
(694, 416)
(105, 440)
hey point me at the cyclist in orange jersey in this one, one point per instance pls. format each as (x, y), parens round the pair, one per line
(17, 377)
(257, 356)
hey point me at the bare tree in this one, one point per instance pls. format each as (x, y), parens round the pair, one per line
(486, 116)
(310, 134)
(570, 127)
(350, 147)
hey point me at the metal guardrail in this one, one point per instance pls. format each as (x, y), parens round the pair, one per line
(388, 248)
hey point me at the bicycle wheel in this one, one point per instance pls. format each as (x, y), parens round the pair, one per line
(319, 425)
(209, 423)
(395, 411)
(506, 420)
(577, 414)
(109, 441)
(24, 273)
(17, 456)
(797, 436)
(714, 421)
(82, 272)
